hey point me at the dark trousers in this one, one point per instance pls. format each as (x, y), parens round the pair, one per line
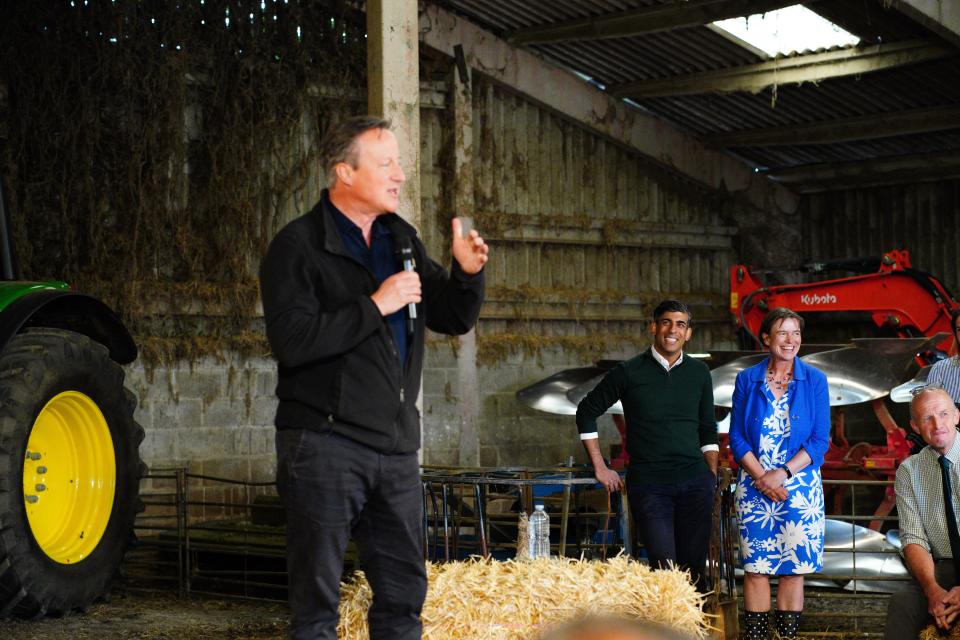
(674, 520)
(333, 487)
(907, 610)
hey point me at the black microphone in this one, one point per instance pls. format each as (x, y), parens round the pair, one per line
(405, 246)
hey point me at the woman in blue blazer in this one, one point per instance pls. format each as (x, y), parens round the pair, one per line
(779, 433)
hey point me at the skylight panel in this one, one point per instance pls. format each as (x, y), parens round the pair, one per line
(786, 30)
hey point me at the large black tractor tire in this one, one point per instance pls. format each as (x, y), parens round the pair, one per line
(66, 434)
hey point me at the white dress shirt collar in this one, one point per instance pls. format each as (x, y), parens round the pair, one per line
(663, 361)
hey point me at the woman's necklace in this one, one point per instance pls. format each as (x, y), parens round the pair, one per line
(779, 383)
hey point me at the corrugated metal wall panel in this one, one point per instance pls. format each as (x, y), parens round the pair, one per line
(586, 237)
(434, 181)
(922, 218)
(569, 213)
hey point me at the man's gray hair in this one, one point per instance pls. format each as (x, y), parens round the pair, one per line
(339, 145)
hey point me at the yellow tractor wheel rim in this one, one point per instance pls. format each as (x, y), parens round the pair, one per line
(69, 477)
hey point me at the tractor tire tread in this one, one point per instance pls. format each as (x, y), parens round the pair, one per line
(37, 364)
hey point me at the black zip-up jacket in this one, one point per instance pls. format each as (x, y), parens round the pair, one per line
(339, 369)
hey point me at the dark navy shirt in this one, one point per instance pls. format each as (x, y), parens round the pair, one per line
(381, 259)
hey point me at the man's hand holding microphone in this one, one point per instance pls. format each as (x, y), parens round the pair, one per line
(403, 288)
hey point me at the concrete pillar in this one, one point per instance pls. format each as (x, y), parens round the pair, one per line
(393, 90)
(468, 388)
(393, 87)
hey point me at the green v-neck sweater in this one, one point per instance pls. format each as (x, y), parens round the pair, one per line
(669, 415)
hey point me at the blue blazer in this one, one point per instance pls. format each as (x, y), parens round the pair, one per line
(809, 412)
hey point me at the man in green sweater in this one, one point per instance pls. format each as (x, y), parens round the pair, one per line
(671, 438)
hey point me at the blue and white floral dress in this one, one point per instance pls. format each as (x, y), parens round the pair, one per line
(780, 538)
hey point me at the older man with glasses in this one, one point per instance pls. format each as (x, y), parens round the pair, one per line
(927, 486)
(947, 372)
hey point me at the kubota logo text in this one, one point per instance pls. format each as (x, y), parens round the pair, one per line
(816, 298)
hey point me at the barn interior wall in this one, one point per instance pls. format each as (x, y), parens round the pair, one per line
(923, 218)
(587, 236)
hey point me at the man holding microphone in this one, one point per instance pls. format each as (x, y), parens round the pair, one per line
(346, 323)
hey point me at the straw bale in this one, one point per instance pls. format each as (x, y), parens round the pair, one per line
(933, 633)
(490, 600)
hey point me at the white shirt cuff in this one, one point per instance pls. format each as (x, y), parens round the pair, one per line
(710, 447)
(589, 436)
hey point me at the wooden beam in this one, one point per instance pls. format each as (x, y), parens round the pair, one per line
(433, 94)
(940, 16)
(869, 127)
(565, 94)
(709, 308)
(788, 70)
(921, 167)
(676, 15)
(628, 235)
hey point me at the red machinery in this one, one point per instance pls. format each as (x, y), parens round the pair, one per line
(906, 300)
(898, 297)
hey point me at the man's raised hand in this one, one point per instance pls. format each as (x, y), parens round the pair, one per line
(470, 252)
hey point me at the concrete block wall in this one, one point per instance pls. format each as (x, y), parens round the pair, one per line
(586, 236)
(214, 418)
(510, 433)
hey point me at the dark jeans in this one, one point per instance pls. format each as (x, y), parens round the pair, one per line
(333, 487)
(674, 520)
(907, 610)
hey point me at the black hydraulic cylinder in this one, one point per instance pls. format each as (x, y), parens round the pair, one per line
(856, 265)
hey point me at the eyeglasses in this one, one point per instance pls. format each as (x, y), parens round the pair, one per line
(932, 386)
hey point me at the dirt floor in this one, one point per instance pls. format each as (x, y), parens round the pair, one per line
(160, 616)
(840, 615)
(152, 616)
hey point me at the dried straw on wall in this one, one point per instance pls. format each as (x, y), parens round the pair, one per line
(149, 150)
(491, 600)
(933, 633)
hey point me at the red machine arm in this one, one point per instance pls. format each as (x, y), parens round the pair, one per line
(911, 302)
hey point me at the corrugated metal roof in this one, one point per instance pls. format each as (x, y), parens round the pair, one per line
(925, 85)
(861, 150)
(686, 51)
(658, 55)
(870, 21)
(500, 16)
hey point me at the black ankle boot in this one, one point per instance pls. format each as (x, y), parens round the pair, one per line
(756, 625)
(787, 624)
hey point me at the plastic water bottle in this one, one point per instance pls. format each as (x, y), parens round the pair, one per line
(539, 533)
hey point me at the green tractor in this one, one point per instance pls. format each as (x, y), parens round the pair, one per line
(70, 465)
